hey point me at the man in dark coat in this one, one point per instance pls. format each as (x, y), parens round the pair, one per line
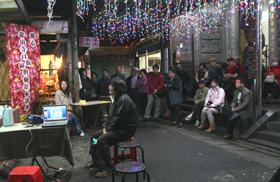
(241, 106)
(184, 77)
(103, 91)
(173, 89)
(215, 72)
(120, 125)
(118, 74)
(86, 90)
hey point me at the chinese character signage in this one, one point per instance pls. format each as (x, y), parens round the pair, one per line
(23, 51)
(88, 41)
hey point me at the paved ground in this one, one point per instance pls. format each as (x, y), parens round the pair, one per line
(181, 155)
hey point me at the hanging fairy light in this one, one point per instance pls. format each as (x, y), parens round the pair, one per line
(51, 4)
(83, 7)
(145, 18)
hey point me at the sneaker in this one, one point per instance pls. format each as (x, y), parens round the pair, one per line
(145, 119)
(189, 117)
(196, 123)
(89, 165)
(82, 134)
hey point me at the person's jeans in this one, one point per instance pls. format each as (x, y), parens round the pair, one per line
(175, 111)
(143, 101)
(228, 87)
(197, 110)
(151, 99)
(73, 118)
(267, 89)
(230, 124)
(105, 141)
(134, 96)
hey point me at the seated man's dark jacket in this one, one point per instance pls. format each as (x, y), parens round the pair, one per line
(245, 107)
(122, 116)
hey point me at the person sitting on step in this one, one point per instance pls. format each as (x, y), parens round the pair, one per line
(241, 106)
(214, 100)
(199, 102)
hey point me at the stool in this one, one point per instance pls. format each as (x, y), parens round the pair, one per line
(131, 144)
(130, 168)
(30, 173)
(131, 155)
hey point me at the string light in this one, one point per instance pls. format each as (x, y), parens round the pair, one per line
(161, 19)
(51, 4)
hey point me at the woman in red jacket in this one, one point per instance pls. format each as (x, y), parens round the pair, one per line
(272, 79)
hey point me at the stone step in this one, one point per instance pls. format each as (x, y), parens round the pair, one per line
(186, 107)
(188, 101)
(265, 143)
(184, 114)
(273, 125)
(269, 135)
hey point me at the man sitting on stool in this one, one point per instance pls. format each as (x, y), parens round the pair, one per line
(199, 100)
(241, 106)
(120, 125)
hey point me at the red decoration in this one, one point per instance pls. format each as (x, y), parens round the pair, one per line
(112, 57)
(100, 57)
(124, 57)
(23, 52)
(119, 57)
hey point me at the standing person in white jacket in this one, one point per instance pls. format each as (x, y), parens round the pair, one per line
(214, 99)
(63, 97)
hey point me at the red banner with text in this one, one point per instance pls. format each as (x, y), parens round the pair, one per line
(23, 52)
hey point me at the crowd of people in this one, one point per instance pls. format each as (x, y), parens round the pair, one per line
(222, 89)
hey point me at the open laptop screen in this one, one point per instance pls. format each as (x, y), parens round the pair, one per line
(55, 112)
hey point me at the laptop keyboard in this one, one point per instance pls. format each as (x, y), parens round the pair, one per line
(52, 124)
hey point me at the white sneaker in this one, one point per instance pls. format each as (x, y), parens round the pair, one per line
(82, 134)
(196, 123)
(189, 117)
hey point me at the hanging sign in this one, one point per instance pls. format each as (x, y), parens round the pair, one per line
(23, 52)
(89, 41)
(177, 56)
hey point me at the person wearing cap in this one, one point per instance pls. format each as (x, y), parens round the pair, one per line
(155, 83)
(184, 77)
(199, 102)
(118, 74)
(215, 72)
(131, 85)
(231, 73)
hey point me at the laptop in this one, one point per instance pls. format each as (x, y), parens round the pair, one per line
(55, 115)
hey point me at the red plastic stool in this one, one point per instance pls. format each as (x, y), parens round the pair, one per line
(118, 157)
(30, 173)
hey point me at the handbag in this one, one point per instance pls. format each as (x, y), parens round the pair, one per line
(269, 78)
